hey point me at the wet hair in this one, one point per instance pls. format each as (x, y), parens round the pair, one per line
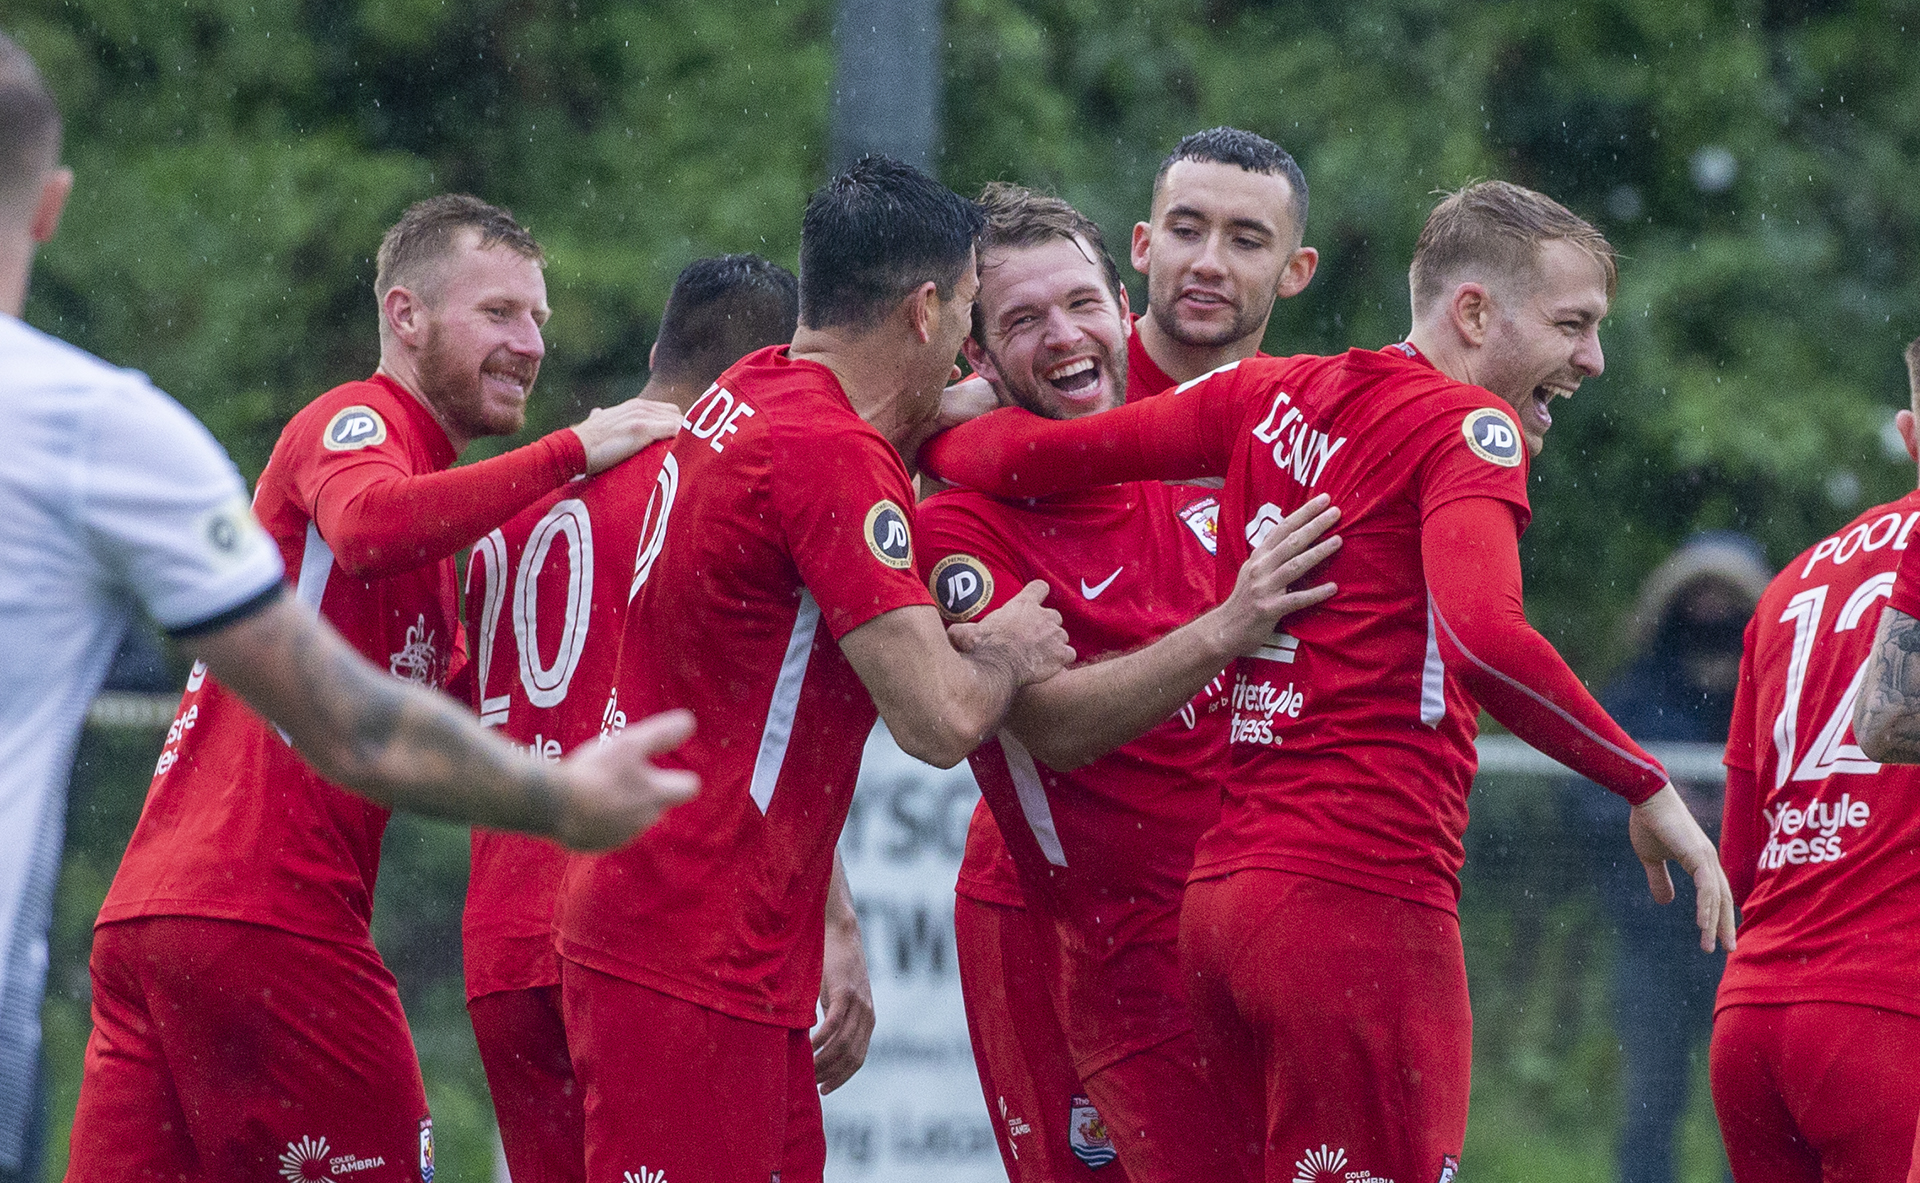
(29, 123)
(1018, 217)
(1495, 230)
(1256, 154)
(720, 310)
(875, 233)
(425, 235)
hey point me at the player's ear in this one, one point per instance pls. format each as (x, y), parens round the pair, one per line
(922, 307)
(1903, 422)
(1471, 312)
(405, 315)
(1299, 272)
(980, 361)
(53, 198)
(1140, 252)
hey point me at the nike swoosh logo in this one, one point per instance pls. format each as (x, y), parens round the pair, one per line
(1094, 591)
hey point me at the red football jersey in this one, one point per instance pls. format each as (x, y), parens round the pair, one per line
(1352, 735)
(785, 523)
(1105, 849)
(546, 594)
(236, 826)
(1834, 838)
(986, 870)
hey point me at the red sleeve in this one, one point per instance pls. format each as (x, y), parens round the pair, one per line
(1740, 832)
(1471, 557)
(381, 519)
(1906, 582)
(970, 571)
(1179, 435)
(846, 508)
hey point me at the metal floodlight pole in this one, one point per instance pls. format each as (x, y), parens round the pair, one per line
(886, 88)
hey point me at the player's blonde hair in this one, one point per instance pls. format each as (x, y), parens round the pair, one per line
(413, 248)
(1494, 230)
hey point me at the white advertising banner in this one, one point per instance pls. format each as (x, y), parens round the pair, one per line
(914, 1111)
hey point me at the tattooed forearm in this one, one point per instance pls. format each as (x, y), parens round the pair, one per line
(1886, 716)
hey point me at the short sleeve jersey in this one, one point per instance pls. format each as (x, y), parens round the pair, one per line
(1834, 914)
(545, 598)
(1352, 748)
(785, 523)
(236, 825)
(1103, 850)
(986, 869)
(112, 498)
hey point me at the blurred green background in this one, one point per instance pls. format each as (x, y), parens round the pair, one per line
(238, 160)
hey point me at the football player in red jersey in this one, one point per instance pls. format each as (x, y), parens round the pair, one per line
(546, 593)
(1319, 934)
(1817, 1024)
(243, 1022)
(1230, 209)
(776, 593)
(1105, 775)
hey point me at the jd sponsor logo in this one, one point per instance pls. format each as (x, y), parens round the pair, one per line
(353, 428)
(1256, 706)
(1797, 835)
(1492, 436)
(888, 537)
(312, 1158)
(1330, 1166)
(961, 586)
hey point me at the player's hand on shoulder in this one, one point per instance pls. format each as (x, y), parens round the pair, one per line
(611, 434)
(1263, 593)
(1662, 828)
(609, 792)
(964, 401)
(1023, 632)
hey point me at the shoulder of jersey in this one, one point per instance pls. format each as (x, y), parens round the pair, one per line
(1492, 435)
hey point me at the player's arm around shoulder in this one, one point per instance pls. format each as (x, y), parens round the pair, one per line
(1082, 713)
(1886, 715)
(411, 748)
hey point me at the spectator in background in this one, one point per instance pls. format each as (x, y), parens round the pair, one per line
(1684, 636)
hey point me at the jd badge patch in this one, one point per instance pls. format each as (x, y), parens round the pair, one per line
(353, 428)
(1492, 436)
(961, 587)
(887, 535)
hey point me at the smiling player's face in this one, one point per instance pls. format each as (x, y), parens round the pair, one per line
(1544, 336)
(1056, 339)
(482, 346)
(1221, 248)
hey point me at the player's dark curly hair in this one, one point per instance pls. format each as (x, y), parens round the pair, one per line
(1018, 217)
(29, 122)
(875, 233)
(720, 310)
(425, 234)
(1256, 154)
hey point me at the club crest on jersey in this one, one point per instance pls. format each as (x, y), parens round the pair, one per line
(426, 1150)
(887, 535)
(1203, 518)
(1088, 1136)
(353, 428)
(1492, 436)
(1449, 1167)
(961, 586)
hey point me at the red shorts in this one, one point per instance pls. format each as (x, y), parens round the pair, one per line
(523, 1047)
(1815, 1091)
(1340, 1015)
(1167, 1120)
(1048, 1130)
(675, 1091)
(231, 1051)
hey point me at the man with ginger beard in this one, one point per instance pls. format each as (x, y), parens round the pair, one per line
(244, 1022)
(1104, 776)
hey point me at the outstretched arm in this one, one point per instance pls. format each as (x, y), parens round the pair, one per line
(1471, 559)
(1886, 715)
(413, 749)
(1081, 714)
